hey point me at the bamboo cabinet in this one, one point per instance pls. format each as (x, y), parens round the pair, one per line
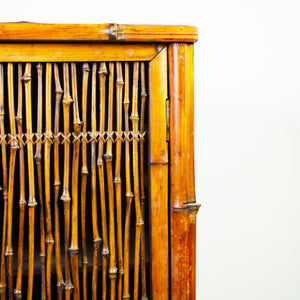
(97, 162)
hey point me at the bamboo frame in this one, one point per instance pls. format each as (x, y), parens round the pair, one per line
(84, 174)
(97, 32)
(158, 157)
(174, 61)
(5, 187)
(182, 193)
(74, 248)
(58, 92)
(22, 201)
(38, 161)
(31, 200)
(67, 100)
(105, 249)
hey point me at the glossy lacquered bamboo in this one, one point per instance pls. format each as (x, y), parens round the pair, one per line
(96, 236)
(84, 174)
(38, 161)
(67, 100)
(22, 201)
(31, 187)
(58, 96)
(41, 52)
(129, 194)
(142, 180)
(4, 187)
(100, 164)
(97, 32)
(12, 159)
(74, 248)
(158, 156)
(113, 271)
(182, 192)
(117, 180)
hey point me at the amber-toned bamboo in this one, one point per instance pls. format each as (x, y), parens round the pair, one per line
(84, 174)
(117, 180)
(22, 201)
(143, 197)
(105, 250)
(31, 200)
(96, 237)
(139, 220)
(108, 158)
(67, 100)
(5, 187)
(74, 248)
(47, 148)
(58, 93)
(129, 195)
(13, 151)
(38, 160)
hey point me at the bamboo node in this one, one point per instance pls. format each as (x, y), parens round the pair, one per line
(26, 78)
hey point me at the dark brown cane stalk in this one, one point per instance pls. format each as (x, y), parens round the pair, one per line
(38, 161)
(113, 271)
(96, 237)
(22, 201)
(47, 149)
(105, 250)
(139, 220)
(84, 174)
(67, 100)
(59, 275)
(31, 200)
(117, 180)
(74, 249)
(129, 195)
(4, 185)
(143, 197)
(13, 151)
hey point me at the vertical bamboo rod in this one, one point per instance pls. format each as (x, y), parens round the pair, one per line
(96, 237)
(108, 158)
(58, 92)
(22, 201)
(38, 160)
(84, 173)
(74, 249)
(117, 180)
(5, 187)
(31, 200)
(129, 195)
(139, 220)
(67, 100)
(13, 151)
(105, 250)
(47, 149)
(142, 128)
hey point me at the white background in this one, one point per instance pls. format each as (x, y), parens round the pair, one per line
(247, 132)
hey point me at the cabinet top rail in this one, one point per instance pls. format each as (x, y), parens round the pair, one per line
(23, 32)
